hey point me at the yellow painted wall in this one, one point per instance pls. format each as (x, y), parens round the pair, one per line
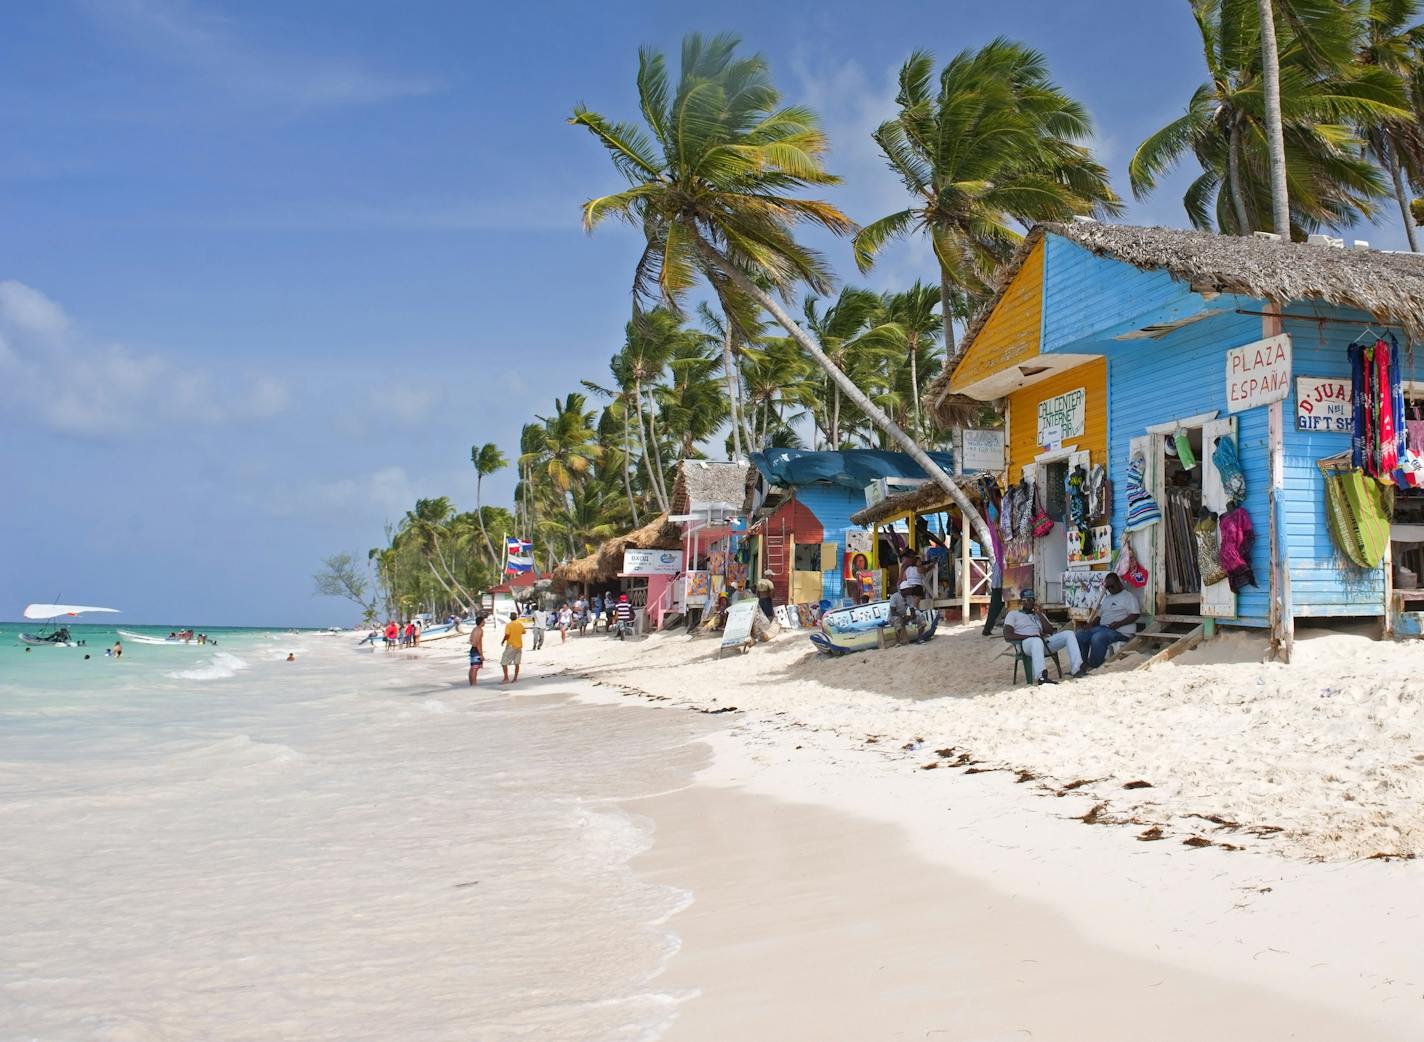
(1012, 333)
(1023, 414)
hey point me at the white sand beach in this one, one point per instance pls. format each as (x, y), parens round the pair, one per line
(1236, 896)
(642, 841)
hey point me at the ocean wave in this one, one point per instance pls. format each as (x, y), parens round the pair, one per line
(223, 664)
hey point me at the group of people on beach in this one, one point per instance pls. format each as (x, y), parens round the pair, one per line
(398, 636)
(1112, 622)
(189, 637)
(512, 645)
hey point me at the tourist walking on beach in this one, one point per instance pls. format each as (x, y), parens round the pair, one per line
(623, 615)
(566, 618)
(392, 632)
(1030, 628)
(513, 641)
(536, 623)
(477, 648)
(597, 610)
(1115, 620)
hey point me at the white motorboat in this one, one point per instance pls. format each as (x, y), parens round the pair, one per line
(51, 636)
(181, 642)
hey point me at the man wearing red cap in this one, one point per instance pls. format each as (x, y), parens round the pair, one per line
(623, 614)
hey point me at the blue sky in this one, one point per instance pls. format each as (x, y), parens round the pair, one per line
(268, 270)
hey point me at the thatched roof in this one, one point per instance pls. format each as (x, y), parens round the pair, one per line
(927, 498)
(710, 481)
(1388, 286)
(606, 562)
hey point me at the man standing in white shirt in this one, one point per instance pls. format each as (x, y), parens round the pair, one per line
(1029, 627)
(1115, 620)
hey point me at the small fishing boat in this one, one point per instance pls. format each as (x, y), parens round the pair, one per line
(842, 631)
(49, 635)
(148, 638)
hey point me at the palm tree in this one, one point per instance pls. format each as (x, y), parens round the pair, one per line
(848, 330)
(716, 199)
(486, 459)
(1275, 135)
(777, 377)
(424, 527)
(1391, 42)
(994, 142)
(694, 403)
(1329, 182)
(911, 316)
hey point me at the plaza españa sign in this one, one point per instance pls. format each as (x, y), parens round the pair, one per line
(1258, 374)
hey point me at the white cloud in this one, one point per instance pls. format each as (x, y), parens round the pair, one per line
(214, 47)
(53, 372)
(384, 494)
(407, 403)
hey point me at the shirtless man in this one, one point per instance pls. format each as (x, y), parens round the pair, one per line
(477, 648)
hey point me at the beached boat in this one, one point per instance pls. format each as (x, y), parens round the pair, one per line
(49, 635)
(845, 630)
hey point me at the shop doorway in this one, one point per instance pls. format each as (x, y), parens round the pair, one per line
(1183, 480)
(1049, 474)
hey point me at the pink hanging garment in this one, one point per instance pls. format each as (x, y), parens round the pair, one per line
(1389, 447)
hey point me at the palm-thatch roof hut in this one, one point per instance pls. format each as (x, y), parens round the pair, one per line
(704, 483)
(605, 563)
(928, 498)
(1388, 286)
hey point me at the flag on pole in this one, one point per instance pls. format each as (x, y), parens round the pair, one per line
(519, 556)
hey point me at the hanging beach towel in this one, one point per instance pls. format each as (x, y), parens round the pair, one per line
(1208, 535)
(1099, 495)
(1142, 510)
(1358, 509)
(1228, 466)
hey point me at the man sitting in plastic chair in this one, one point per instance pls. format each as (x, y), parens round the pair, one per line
(1031, 632)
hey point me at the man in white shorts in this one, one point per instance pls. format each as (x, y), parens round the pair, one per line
(1031, 628)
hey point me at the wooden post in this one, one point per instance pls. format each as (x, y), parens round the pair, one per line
(1282, 616)
(964, 574)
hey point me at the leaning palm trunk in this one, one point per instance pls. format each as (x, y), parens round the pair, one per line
(848, 388)
(1392, 161)
(1275, 133)
(915, 383)
(748, 424)
(464, 599)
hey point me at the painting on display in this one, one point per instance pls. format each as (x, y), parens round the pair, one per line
(717, 562)
(786, 615)
(1081, 590)
(871, 583)
(1102, 547)
(699, 586)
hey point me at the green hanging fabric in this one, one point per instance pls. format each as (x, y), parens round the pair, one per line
(1184, 451)
(1358, 510)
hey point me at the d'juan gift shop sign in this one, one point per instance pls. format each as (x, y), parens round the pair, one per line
(1322, 403)
(1258, 374)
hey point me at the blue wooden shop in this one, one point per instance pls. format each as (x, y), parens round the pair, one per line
(1137, 351)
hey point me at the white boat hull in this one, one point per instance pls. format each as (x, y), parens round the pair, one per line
(39, 642)
(145, 638)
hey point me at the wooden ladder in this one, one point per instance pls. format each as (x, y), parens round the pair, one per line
(1166, 637)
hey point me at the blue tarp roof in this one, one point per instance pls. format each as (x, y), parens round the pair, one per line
(852, 468)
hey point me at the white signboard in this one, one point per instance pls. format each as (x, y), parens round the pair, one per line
(875, 492)
(739, 623)
(652, 562)
(1322, 403)
(1258, 374)
(858, 541)
(1064, 411)
(983, 450)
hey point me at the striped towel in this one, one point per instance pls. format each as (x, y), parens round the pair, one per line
(1142, 510)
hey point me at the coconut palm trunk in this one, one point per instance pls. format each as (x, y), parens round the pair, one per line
(946, 296)
(1275, 133)
(1401, 198)
(731, 389)
(653, 484)
(657, 451)
(1234, 174)
(627, 477)
(480, 517)
(846, 386)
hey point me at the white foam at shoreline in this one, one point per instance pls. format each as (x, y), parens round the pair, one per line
(222, 665)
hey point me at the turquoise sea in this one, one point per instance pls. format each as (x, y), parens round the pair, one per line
(214, 842)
